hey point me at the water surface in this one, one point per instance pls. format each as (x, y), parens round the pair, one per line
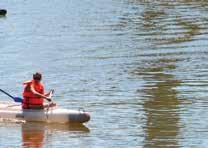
(139, 67)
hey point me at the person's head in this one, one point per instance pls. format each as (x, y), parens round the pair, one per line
(37, 77)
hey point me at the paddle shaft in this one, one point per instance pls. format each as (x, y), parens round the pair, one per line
(7, 94)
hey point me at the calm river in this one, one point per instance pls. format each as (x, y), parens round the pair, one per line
(140, 67)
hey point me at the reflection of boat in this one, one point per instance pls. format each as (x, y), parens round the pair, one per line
(3, 12)
(51, 115)
(36, 126)
(35, 133)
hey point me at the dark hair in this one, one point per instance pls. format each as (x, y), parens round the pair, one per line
(37, 76)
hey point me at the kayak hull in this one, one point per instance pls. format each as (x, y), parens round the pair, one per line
(51, 115)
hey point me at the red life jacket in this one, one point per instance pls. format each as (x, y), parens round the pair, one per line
(31, 100)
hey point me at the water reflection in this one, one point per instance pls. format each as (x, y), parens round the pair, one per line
(162, 105)
(178, 26)
(35, 134)
(166, 22)
(163, 25)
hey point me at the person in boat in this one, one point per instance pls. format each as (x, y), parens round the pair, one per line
(34, 94)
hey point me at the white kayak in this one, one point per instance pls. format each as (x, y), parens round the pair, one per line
(51, 115)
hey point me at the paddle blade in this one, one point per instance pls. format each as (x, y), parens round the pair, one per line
(18, 99)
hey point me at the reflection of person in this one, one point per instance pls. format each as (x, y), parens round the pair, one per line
(34, 94)
(32, 136)
(40, 134)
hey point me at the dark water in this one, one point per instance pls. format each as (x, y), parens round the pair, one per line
(138, 66)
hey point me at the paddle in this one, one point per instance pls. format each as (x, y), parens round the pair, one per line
(16, 99)
(51, 93)
(50, 96)
(51, 102)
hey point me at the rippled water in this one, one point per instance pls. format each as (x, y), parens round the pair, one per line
(138, 66)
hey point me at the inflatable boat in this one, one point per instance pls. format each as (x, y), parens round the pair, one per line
(13, 111)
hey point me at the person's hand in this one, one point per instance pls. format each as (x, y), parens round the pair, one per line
(53, 104)
(48, 99)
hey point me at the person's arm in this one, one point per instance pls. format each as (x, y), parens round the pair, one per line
(38, 94)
